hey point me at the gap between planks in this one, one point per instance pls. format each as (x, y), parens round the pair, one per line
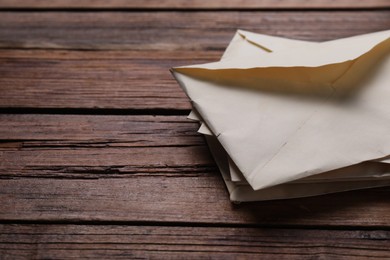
(143, 169)
(191, 4)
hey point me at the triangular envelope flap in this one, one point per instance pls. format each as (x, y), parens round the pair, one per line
(193, 115)
(245, 43)
(246, 134)
(304, 54)
(203, 129)
(247, 122)
(312, 69)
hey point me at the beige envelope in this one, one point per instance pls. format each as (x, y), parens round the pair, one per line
(241, 192)
(365, 175)
(265, 131)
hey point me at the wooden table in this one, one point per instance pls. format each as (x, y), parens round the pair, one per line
(98, 159)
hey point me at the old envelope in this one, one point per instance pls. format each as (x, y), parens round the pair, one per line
(284, 110)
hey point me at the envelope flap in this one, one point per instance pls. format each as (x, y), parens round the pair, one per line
(303, 55)
(311, 68)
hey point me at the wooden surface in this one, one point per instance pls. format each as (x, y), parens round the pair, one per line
(98, 160)
(172, 242)
(193, 4)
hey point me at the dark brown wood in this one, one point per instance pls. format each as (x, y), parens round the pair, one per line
(124, 242)
(107, 79)
(175, 30)
(143, 168)
(95, 131)
(100, 146)
(136, 79)
(98, 162)
(135, 185)
(179, 199)
(193, 4)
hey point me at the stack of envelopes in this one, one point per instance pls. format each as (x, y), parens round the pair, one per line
(286, 118)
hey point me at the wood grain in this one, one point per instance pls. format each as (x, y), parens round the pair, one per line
(193, 4)
(137, 78)
(70, 146)
(103, 162)
(94, 80)
(181, 199)
(135, 185)
(175, 30)
(124, 242)
(94, 131)
(142, 168)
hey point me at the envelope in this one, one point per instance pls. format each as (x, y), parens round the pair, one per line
(364, 175)
(284, 110)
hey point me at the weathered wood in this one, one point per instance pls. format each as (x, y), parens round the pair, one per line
(124, 242)
(165, 174)
(151, 177)
(103, 162)
(175, 30)
(89, 131)
(136, 79)
(106, 79)
(180, 199)
(192, 4)
(131, 79)
(71, 146)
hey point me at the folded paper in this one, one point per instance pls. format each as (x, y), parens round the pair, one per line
(286, 110)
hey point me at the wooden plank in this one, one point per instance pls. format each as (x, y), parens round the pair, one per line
(189, 200)
(94, 80)
(108, 242)
(175, 30)
(137, 79)
(81, 146)
(102, 162)
(192, 4)
(142, 168)
(89, 131)
(55, 75)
